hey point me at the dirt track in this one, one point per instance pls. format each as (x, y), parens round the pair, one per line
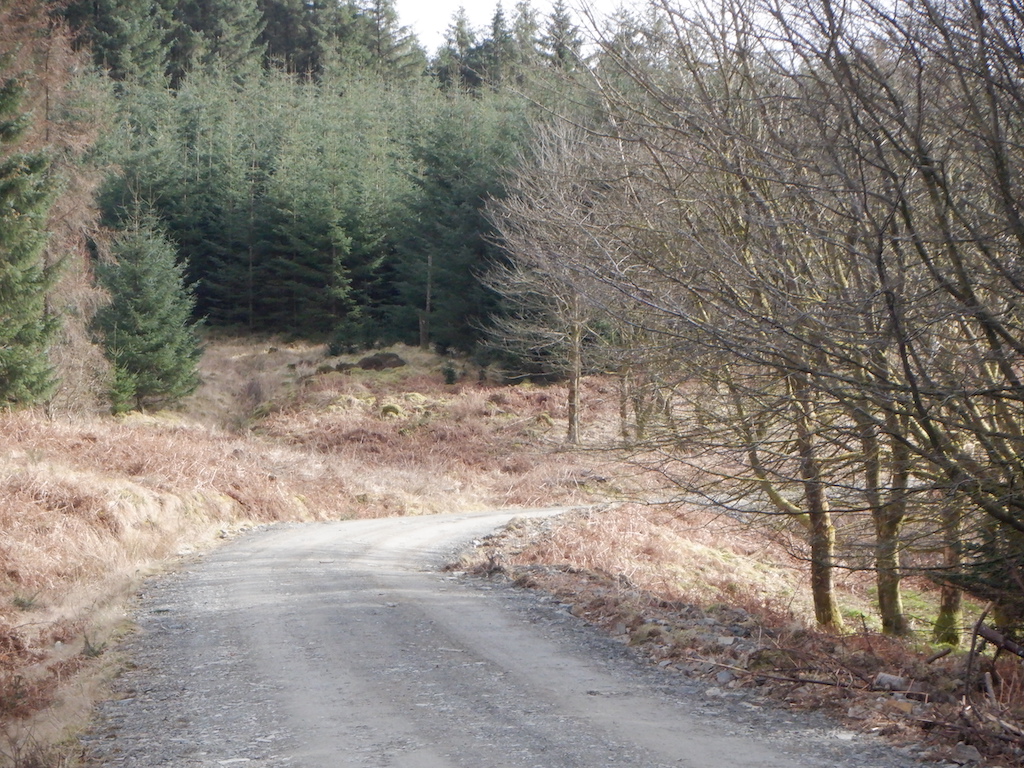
(335, 645)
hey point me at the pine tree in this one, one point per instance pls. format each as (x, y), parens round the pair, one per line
(127, 38)
(374, 190)
(64, 104)
(200, 158)
(525, 34)
(147, 330)
(465, 63)
(456, 65)
(224, 33)
(472, 141)
(305, 249)
(296, 32)
(394, 49)
(211, 199)
(311, 190)
(499, 50)
(562, 42)
(26, 327)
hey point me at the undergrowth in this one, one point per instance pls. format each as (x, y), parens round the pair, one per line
(279, 432)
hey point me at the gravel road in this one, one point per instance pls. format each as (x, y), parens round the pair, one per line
(343, 644)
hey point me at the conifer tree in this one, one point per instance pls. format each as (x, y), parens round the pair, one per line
(562, 42)
(525, 33)
(300, 34)
(48, 181)
(26, 327)
(394, 49)
(499, 50)
(305, 246)
(127, 38)
(147, 330)
(217, 32)
(472, 140)
(456, 66)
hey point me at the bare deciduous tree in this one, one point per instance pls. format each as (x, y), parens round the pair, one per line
(811, 213)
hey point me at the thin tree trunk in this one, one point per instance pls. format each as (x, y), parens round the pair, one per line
(427, 305)
(575, 377)
(823, 544)
(889, 518)
(625, 382)
(822, 531)
(573, 433)
(949, 622)
(888, 576)
(888, 512)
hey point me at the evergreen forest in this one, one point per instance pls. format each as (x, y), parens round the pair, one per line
(790, 233)
(320, 174)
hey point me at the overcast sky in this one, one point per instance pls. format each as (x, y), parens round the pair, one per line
(430, 18)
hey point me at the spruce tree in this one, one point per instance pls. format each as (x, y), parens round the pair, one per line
(224, 33)
(526, 35)
(306, 248)
(26, 327)
(455, 61)
(562, 41)
(299, 33)
(127, 38)
(147, 330)
(394, 50)
(499, 51)
(472, 140)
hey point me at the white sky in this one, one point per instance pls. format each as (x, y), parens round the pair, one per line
(430, 18)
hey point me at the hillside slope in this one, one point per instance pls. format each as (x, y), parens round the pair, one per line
(276, 433)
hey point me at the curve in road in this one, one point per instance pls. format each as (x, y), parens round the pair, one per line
(342, 644)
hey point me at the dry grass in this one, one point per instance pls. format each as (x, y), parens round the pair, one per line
(93, 504)
(435, 447)
(649, 555)
(678, 555)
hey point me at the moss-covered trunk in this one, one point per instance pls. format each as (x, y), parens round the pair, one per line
(822, 531)
(950, 619)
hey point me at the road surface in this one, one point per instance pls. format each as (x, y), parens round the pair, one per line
(343, 644)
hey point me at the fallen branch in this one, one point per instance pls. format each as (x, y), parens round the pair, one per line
(966, 730)
(1014, 729)
(777, 678)
(1000, 641)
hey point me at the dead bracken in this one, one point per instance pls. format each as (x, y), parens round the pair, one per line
(95, 504)
(618, 569)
